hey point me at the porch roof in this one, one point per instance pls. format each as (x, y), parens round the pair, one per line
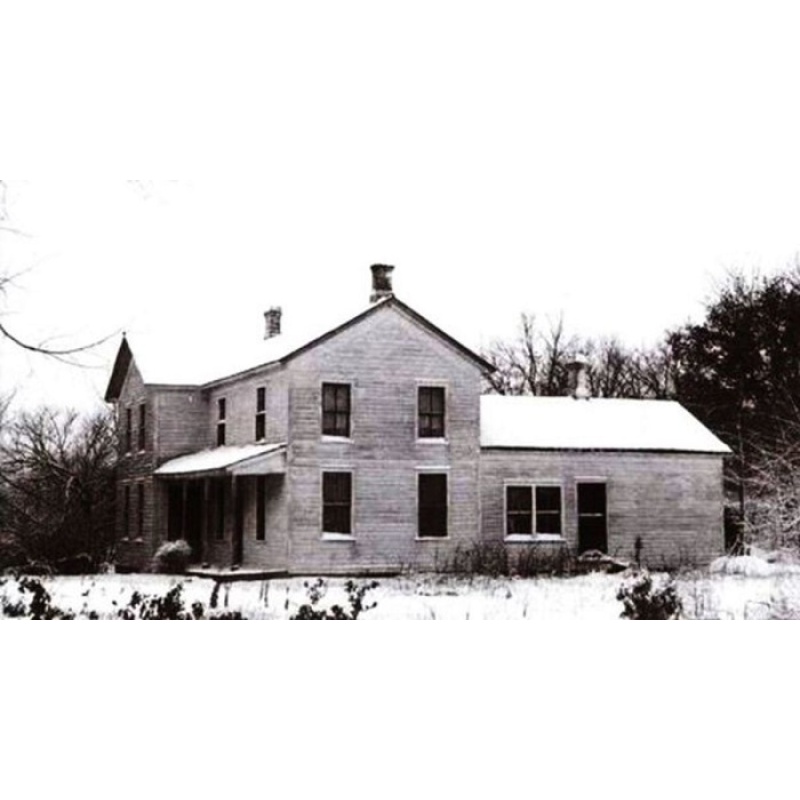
(248, 459)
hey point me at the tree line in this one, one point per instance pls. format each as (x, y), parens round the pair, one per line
(737, 370)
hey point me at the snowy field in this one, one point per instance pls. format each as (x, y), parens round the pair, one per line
(734, 588)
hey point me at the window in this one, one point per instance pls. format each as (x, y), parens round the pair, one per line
(261, 413)
(261, 508)
(336, 409)
(432, 511)
(533, 510)
(548, 510)
(430, 404)
(142, 426)
(128, 430)
(222, 412)
(140, 511)
(337, 502)
(126, 512)
(519, 510)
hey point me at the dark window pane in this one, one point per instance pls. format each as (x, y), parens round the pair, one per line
(519, 498)
(337, 492)
(336, 409)
(126, 513)
(128, 430)
(261, 426)
(548, 498)
(591, 498)
(261, 399)
(142, 425)
(140, 512)
(222, 409)
(548, 522)
(519, 522)
(431, 412)
(432, 505)
(220, 434)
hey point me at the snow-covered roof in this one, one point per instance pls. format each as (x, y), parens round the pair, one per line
(564, 423)
(240, 459)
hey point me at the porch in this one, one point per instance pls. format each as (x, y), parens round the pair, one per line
(224, 502)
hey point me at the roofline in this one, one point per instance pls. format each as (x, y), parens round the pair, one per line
(122, 363)
(484, 365)
(646, 450)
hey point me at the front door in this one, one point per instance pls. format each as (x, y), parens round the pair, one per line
(592, 517)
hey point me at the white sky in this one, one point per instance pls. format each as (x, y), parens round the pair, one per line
(604, 160)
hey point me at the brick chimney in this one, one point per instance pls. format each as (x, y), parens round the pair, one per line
(272, 322)
(381, 282)
(579, 378)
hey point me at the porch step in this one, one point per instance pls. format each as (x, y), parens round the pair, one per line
(227, 575)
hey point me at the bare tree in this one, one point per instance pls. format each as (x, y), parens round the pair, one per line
(57, 485)
(7, 281)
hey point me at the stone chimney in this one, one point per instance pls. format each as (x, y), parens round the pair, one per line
(579, 378)
(381, 282)
(272, 322)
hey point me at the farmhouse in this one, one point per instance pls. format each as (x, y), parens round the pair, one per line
(370, 447)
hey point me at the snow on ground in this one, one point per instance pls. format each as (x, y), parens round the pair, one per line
(741, 588)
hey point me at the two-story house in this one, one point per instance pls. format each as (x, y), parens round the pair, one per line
(370, 447)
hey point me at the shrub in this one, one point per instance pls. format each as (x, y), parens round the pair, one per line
(172, 558)
(498, 559)
(355, 598)
(641, 599)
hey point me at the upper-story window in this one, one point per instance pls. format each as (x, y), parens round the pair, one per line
(128, 430)
(142, 426)
(222, 413)
(336, 409)
(261, 413)
(431, 412)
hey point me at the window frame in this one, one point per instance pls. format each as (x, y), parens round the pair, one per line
(141, 433)
(337, 536)
(535, 535)
(222, 419)
(126, 512)
(140, 510)
(128, 443)
(261, 414)
(349, 413)
(430, 386)
(424, 472)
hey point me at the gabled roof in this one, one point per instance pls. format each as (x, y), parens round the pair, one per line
(120, 370)
(563, 423)
(175, 360)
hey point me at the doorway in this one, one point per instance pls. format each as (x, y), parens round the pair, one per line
(592, 517)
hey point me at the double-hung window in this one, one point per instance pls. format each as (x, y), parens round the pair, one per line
(337, 502)
(432, 505)
(431, 412)
(533, 510)
(261, 413)
(128, 430)
(142, 426)
(222, 413)
(336, 409)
